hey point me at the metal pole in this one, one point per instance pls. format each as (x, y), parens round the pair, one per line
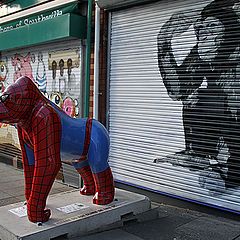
(88, 61)
(96, 62)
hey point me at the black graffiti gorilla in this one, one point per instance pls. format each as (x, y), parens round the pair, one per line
(210, 113)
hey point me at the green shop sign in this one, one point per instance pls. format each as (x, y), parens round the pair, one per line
(32, 20)
(42, 16)
(55, 24)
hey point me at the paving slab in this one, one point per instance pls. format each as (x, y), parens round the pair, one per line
(4, 195)
(11, 184)
(7, 201)
(14, 191)
(214, 228)
(183, 224)
(117, 234)
(159, 229)
(7, 178)
(72, 215)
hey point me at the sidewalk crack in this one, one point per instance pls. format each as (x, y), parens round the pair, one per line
(236, 237)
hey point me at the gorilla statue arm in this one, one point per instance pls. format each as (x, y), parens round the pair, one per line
(28, 163)
(47, 161)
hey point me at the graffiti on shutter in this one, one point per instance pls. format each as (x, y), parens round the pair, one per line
(206, 79)
(56, 71)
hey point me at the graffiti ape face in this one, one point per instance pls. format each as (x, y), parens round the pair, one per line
(69, 106)
(210, 34)
(3, 71)
(57, 99)
(22, 66)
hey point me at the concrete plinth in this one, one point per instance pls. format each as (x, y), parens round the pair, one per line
(72, 215)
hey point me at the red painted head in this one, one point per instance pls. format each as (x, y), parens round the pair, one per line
(18, 100)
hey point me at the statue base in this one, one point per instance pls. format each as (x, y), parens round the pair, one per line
(72, 215)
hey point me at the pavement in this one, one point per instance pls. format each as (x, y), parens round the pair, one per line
(170, 222)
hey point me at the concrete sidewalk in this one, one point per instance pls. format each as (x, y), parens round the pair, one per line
(172, 222)
(175, 224)
(12, 185)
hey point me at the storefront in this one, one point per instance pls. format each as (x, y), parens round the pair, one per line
(48, 47)
(174, 98)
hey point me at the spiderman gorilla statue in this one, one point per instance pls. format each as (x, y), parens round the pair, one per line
(48, 136)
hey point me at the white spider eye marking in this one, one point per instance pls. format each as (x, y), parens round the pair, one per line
(4, 97)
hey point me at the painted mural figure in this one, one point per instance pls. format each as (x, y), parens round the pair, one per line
(208, 84)
(69, 107)
(3, 75)
(54, 75)
(73, 85)
(41, 76)
(63, 84)
(65, 89)
(22, 66)
(69, 73)
(48, 136)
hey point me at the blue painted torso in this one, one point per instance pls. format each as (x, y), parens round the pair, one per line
(73, 138)
(73, 135)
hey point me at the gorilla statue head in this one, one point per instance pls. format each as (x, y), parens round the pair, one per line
(18, 101)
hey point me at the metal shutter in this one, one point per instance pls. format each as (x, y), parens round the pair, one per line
(50, 66)
(147, 104)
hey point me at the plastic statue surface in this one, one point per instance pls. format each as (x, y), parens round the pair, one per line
(48, 136)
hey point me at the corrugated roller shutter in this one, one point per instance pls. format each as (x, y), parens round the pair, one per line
(57, 70)
(174, 99)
